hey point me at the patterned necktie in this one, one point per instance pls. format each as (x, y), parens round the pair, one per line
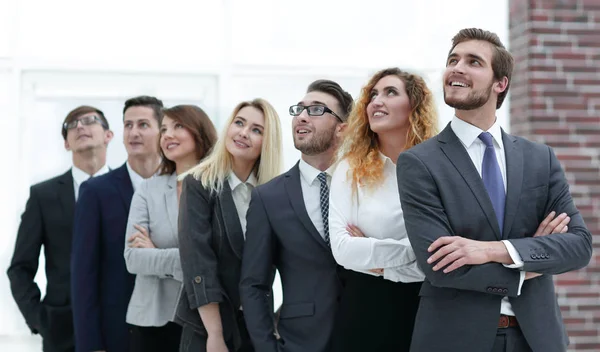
(492, 178)
(324, 200)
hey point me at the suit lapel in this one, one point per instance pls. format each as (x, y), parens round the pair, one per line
(231, 220)
(514, 180)
(66, 195)
(171, 203)
(294, 190)
(124, 185)
(458, 156)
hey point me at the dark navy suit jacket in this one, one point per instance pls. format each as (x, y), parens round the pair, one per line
(100, 284)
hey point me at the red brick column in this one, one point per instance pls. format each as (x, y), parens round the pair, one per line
(555, 99)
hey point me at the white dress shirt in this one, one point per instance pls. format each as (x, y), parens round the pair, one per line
(469, 137)
(80, 176)
(311, 193)
(136, 179)
(241, 192)
(377, 212)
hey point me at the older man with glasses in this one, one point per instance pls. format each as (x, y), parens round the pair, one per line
(48, 221)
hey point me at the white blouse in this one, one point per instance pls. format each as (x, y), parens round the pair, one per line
(241, 192)
(378, 214)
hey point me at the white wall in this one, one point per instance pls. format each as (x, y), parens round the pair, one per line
(55, 55)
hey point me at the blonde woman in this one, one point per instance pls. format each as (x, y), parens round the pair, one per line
(212, 221)
(395, 112)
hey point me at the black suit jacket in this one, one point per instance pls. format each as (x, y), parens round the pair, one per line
(280, 234)
(442, 194)
(47, 221)
(211, 243)
(101, 285)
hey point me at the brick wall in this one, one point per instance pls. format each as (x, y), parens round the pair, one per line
(555, 99)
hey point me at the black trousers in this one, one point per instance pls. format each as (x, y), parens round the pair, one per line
(155, 338)
(510, 340)
(375, 314)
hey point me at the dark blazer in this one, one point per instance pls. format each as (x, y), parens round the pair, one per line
(211, 243)
(101, 286)
(280, 234)
(442, 194)
(47, 221)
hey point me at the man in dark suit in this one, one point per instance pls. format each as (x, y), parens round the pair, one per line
(47, 221)
(473, 197)
(288, 229)
(101, 286)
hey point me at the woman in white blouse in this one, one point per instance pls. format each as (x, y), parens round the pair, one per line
(151, 251)
(395, 112)
(212, 221)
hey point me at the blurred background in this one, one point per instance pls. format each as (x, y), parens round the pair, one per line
(56, 55)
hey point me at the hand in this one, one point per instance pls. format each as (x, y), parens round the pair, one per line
(216, 343)
(140, 239)
(549, 226)
(354, 231)
(456, 251)
(376, 271)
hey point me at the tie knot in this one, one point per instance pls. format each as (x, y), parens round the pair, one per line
(322, 177)
(487, 139)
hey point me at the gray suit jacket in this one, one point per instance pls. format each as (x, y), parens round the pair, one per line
(442, 194)
(212, 243)
(158, 270)
(281, 235)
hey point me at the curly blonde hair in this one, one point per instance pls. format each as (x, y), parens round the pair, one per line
(360, 147)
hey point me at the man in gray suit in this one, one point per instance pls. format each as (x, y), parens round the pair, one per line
(288, 230)
(473, 197)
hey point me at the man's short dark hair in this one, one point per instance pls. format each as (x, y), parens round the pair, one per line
(332, 88)
(80, 111)
(144, 100)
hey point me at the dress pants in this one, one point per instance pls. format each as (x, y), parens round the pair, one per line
(155, 338)
(510, 340)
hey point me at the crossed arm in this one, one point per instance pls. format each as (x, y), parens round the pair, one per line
(449, 260)
(141, 255)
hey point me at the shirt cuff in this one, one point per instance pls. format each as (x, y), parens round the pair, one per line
(521, 280)
(514, 255)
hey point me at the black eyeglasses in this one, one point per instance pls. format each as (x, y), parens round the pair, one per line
(313, 110)
(85, 121)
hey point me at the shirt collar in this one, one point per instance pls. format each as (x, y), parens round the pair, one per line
(386, 160)
(234, 181)
(468, 133)
(136, 178)
(81, 176)
(310, 173)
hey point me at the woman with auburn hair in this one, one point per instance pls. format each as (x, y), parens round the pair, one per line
(151, 250)
(212, 222)
(394, 112)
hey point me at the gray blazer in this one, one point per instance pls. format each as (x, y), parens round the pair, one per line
(158, 270)
(442, 194)
(281, 235)
(212, 242)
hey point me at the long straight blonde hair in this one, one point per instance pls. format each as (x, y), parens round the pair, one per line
(216, 167)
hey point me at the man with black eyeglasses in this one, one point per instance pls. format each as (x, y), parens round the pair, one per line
(48, 221)
(287, 229)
